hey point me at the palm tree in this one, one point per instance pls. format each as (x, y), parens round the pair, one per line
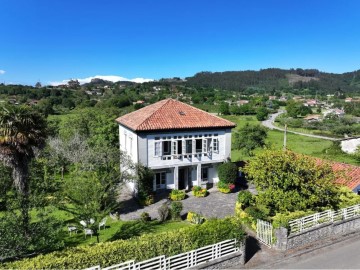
(22, 131)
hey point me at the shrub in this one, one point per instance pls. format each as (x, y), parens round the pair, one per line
(139, 248)
(163, 211)
(147, 200)
(177, 195)
(228, 172)
(245, 198)
(195, 218)
(199, 191)
(223, 187)
(176, 208)
(145, 217)
(282, 220)
(255, 213)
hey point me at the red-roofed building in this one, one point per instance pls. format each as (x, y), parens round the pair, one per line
(183, 145)
(347, 175)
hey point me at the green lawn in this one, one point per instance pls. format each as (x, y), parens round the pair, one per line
(117, 229)
(300, 144)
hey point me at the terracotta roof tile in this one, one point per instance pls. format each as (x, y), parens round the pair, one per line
(347, 175)
(171, 114)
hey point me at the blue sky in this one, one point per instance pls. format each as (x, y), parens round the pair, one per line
(57, 40)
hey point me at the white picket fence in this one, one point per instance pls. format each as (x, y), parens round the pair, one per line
(180, 261)
(328, 216)
(264, 232)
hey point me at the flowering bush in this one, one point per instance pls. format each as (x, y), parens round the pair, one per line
(198, 191)
(225, 187)
(177, 195)
(195, 218)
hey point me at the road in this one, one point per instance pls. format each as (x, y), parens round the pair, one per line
(270, 124)
(343, 255)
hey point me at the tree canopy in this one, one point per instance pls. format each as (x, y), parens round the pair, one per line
(287, 181)
(249, 138)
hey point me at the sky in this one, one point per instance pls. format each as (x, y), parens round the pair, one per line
(51, 41)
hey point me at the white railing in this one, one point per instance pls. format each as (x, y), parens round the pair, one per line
(180, 261)
(328, 216)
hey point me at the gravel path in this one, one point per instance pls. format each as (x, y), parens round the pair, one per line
(270, 124)
(216, 204)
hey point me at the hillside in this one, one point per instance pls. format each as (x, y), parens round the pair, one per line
(268, 80)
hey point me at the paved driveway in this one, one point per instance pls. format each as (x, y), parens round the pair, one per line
(216, 204)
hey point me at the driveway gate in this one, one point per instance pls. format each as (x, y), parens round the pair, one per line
(264, 231)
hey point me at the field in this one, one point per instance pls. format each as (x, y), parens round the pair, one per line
(300, 144)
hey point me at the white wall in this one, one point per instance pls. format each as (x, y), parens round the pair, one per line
(129, 143)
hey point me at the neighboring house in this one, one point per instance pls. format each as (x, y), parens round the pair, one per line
(336, 111)
(346, 174)
(313, 118)
(183, 145)
(243, 102)
(272, 97)
(311, 103)
(348, 99)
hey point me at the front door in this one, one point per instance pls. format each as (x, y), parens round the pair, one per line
(182, 178)
(160, 180)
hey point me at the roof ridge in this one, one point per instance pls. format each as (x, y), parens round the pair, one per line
(147, 118)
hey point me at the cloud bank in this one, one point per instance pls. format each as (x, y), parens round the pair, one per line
(112, 78)
(2, 72)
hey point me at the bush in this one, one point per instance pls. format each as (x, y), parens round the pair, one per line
(145, 217)
(195, 218)
(163, 212)
(225, 187)
(245, 198)
(255, 213)
(282, 220)
(199, 192)
(147, 200)
(176, 208)
(228, 172)
(177, 195)
(138, 248)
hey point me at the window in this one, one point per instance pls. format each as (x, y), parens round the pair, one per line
(179, 147)
(204, 174)
(209, 147)
(131, 145)
(216, 145)
(198, 145)
(166, 148)
(174, 147)
(160, 179)
(188, 146)
(125, 140)
(157, 149)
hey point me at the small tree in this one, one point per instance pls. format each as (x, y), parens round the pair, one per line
(262, 113)
(286, 181)
(249, 138)
(224, 108)
(228, 172)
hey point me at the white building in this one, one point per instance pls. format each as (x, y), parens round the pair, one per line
(183, 145)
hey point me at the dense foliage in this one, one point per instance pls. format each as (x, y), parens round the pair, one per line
(228, 172)
(286, 181)
(249, 137)
(140, 248)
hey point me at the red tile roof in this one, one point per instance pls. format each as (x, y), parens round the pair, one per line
(171, 114)
(347, 175)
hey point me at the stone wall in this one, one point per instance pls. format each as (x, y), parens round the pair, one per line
(285, 242)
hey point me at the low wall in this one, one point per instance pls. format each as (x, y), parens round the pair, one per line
(342, 227)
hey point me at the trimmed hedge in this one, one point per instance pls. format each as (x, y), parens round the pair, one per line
(137, 248)
(228, 172)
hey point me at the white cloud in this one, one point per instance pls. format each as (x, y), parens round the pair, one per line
(112, 78)
(2, 72)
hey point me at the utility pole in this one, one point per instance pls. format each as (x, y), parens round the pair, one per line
(284, 146)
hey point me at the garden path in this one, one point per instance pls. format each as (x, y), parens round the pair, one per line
(216, 204)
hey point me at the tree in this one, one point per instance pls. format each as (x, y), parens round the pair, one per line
(38, 85)
(249, 138)
(22, 131)
(224, 108)
(262, 113)
(228, 172)
(287, 181)
(74, 84)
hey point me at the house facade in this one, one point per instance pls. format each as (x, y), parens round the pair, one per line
(181, 144)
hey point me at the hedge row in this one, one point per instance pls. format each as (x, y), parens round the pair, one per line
(138, 248)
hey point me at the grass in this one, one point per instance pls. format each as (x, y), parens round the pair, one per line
(117, 229)
(300, 144)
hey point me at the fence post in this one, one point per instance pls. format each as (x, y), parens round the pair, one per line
(344, 213)
(242, 250)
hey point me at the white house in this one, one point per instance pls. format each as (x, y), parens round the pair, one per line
(183, 145)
